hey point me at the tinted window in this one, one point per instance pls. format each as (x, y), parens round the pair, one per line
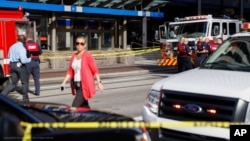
(188, 30)
(232, 28)
(215, 29)
(163, 32)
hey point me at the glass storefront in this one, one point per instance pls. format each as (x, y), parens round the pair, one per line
(94, 41)
(65, 40)
(99, 34)
(61, 40)
(107, 40)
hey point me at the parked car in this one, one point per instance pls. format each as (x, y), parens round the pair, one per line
(218, 90)
(12, 112)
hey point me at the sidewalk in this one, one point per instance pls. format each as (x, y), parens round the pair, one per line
(105, 71)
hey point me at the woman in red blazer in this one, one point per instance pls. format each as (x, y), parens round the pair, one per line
(81, 71)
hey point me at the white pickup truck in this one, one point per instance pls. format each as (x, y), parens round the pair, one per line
(219, 90)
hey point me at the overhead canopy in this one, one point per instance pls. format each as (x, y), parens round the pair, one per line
(150, 8)
(150, 5)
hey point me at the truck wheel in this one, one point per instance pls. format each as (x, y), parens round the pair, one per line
(4, 83)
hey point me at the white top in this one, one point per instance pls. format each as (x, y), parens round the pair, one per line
(76, 65)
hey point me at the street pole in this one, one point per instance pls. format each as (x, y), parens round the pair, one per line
(199, 7)
(241, 9)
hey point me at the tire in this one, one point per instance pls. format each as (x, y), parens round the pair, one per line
(154, 134)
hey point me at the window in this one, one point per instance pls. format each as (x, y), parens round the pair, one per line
(232, 28)
(107, 25)
(188, 30)
(64, 24)
(107, 40)
(92, 24)
(163, 32)
(215, 29)
(79, 24)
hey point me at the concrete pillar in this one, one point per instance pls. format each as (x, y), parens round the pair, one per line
(124, 35)
(120, 35)
(68, 40)
(53, 32)
(241, 9)
(144, 31)
(116, 35)
(112, 41)
(49, 33)
(72, 42)
(100, 36)
(222, 6)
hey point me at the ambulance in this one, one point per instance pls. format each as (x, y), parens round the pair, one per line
(192, 27)
(12, 24)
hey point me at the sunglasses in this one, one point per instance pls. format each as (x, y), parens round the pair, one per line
(81, 43)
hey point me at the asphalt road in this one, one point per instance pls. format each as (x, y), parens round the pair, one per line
(113, 69)
(123, 85)
(123, 94)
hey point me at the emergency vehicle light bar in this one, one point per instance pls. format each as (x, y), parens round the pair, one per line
(200, 17)
(245, 26)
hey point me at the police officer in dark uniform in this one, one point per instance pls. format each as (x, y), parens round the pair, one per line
(199, 45)
(18, 60)
(180, 44)
(203, 52)
(34, 66)
(184, 52)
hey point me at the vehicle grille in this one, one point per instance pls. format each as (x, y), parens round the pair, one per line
(173, 135)
(225, 107)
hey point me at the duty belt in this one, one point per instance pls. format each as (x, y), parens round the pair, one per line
(35, 57)
(18, 64)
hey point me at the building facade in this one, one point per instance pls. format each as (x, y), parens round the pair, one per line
(109, 24)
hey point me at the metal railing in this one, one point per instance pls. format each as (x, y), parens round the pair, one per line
(141, 46)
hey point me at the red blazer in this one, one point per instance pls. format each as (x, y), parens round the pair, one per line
(88, 70)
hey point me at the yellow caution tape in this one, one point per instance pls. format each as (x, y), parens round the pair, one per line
(122, 124)
(27, 132)
(99, 55)
(130, 124)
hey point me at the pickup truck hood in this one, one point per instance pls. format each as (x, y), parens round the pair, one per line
(225, 83)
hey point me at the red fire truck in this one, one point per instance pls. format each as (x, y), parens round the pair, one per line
(192, 27)
(12, 23)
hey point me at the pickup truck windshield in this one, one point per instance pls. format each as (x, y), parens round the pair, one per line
(233, 54)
